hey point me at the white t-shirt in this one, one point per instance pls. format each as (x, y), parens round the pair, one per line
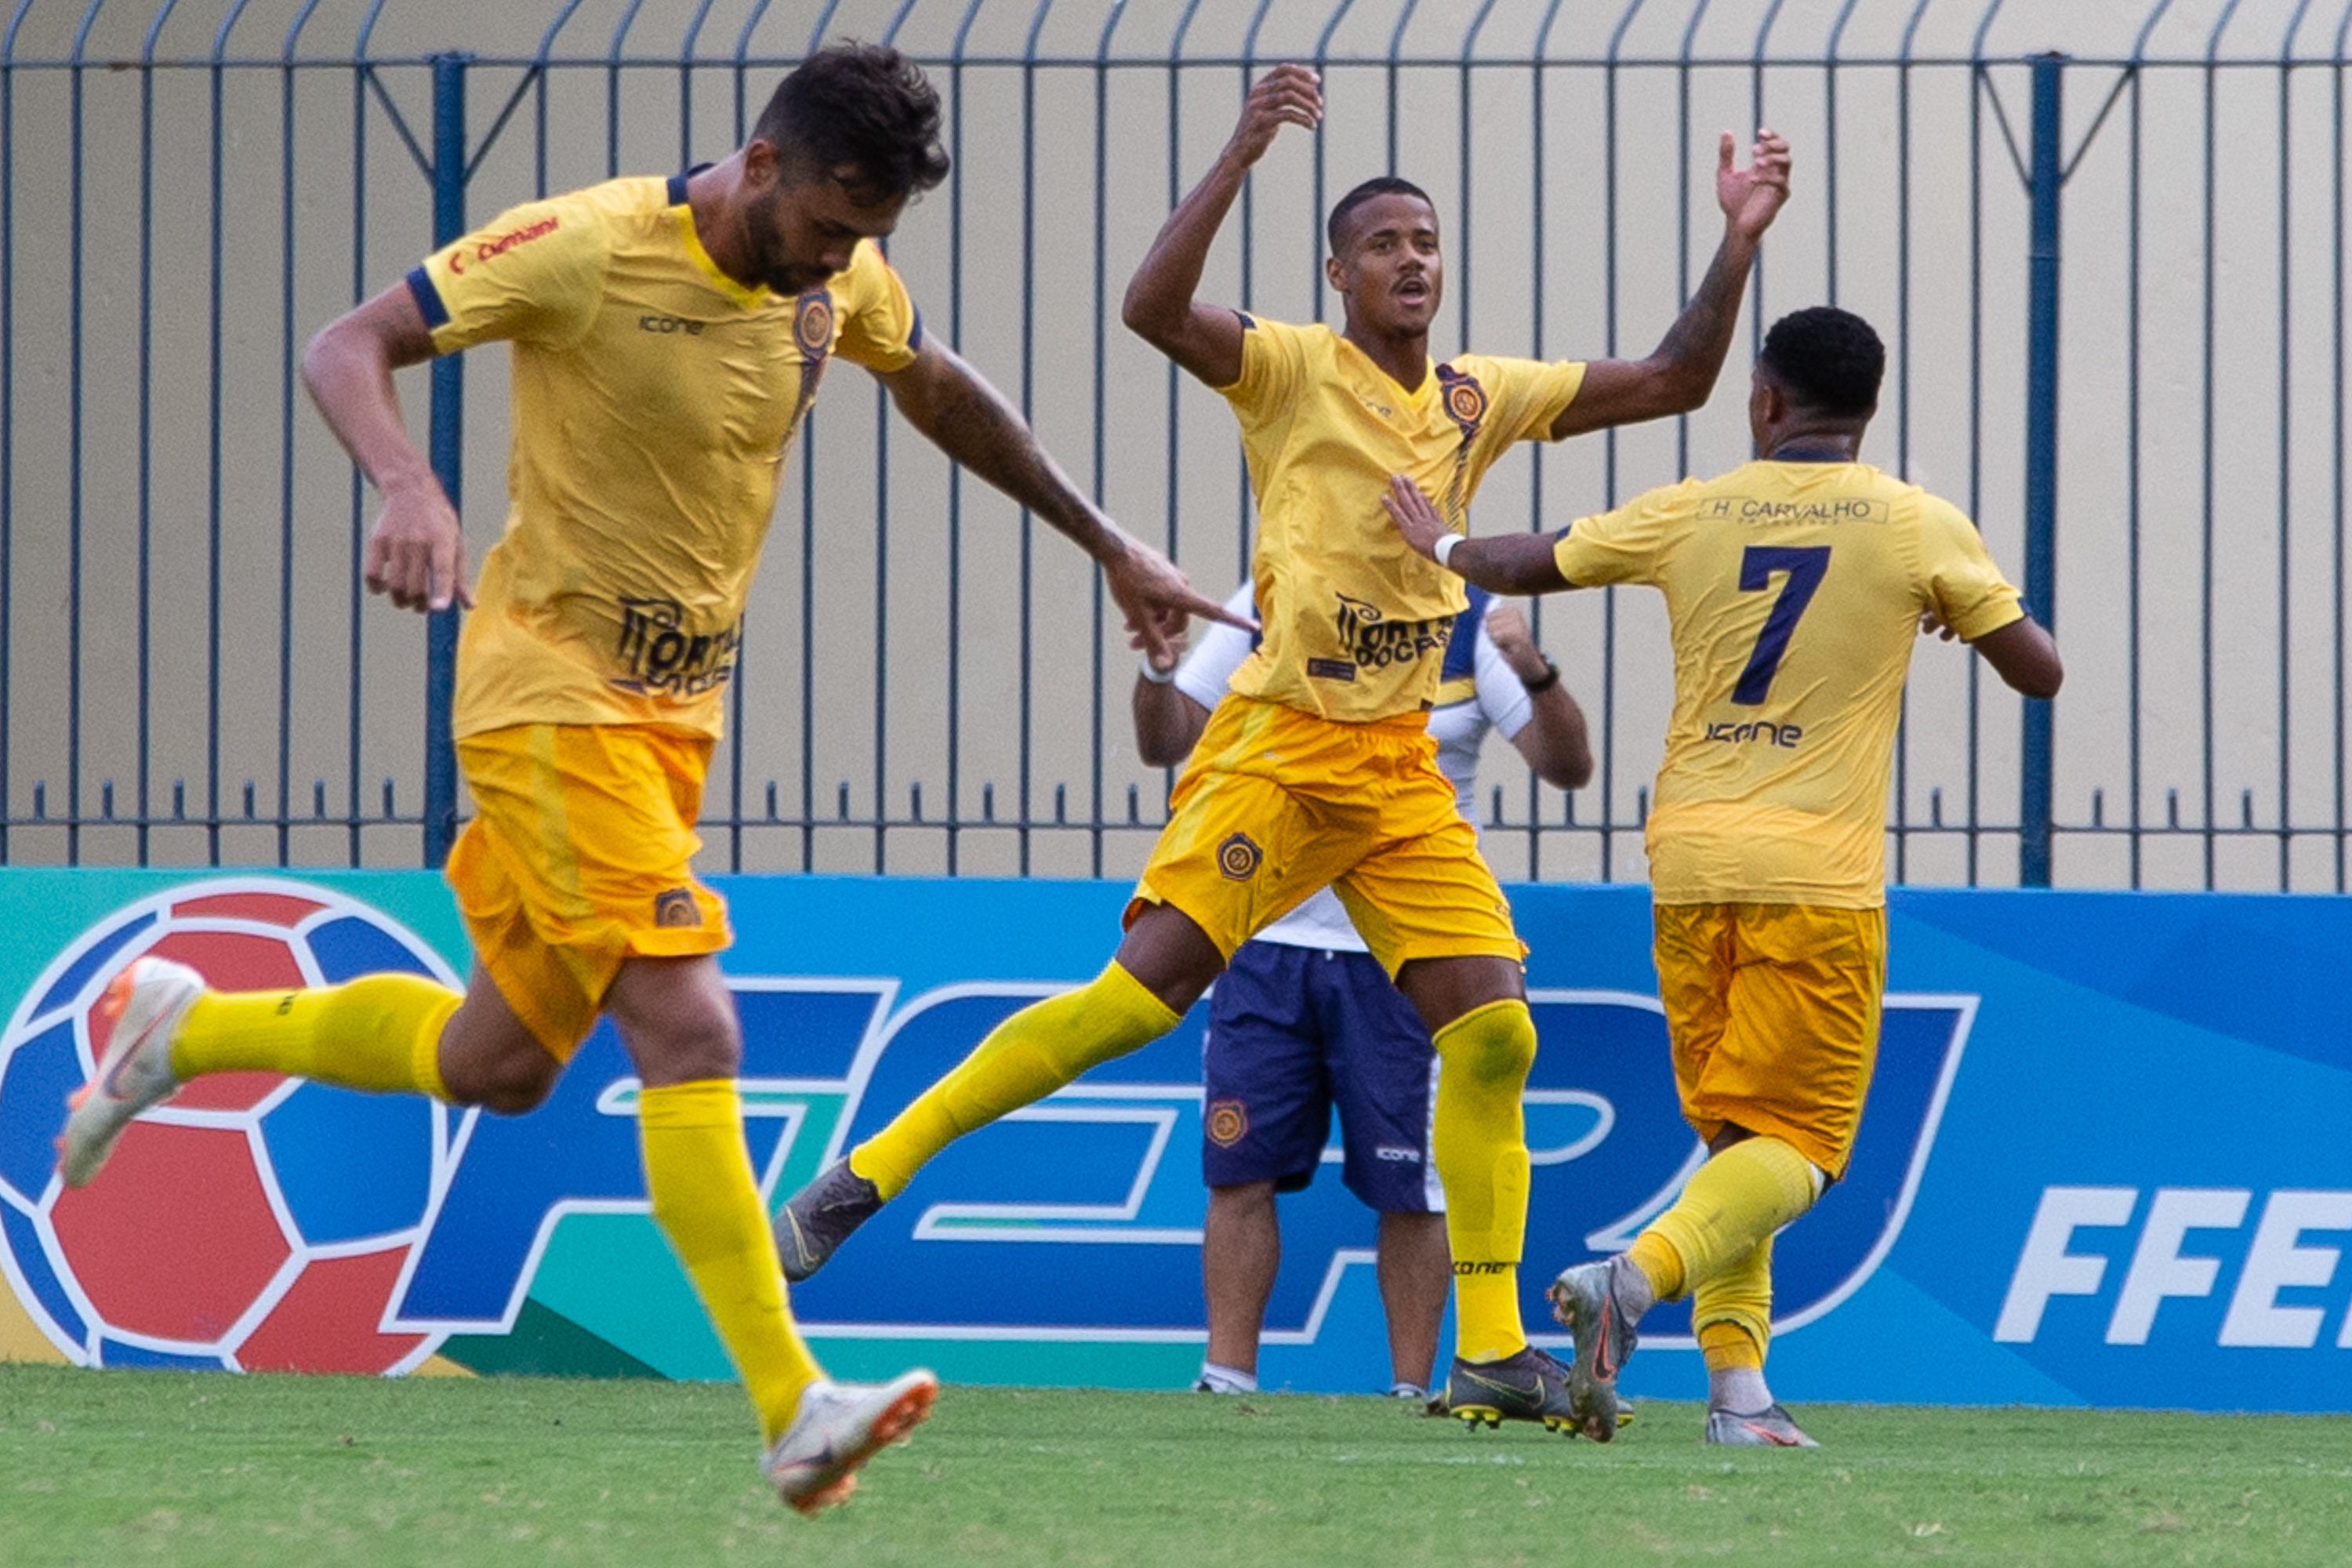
(1499, 702)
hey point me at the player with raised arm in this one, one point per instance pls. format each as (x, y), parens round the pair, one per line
(1317, 770)
(667, 337)
(1304, 1021)
(1795, 586)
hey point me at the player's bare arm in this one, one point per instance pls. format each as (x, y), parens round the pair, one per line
(1160, 308)
(1509, 563)
(416, 552)
(1680, 372)
(971, 422)
(1167, 722)
(1554, 741)
(2024, 656)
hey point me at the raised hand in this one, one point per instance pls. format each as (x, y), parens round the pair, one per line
(1287, 95)
(1751, 197)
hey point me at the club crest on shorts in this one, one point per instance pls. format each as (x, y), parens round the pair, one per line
(1226, 1123)
(675, 906)
(1238, 857)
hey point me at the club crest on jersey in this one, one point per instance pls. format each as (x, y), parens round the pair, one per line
(1226, 1123)
(1465, 400)
(813, 325)
(1239, 857)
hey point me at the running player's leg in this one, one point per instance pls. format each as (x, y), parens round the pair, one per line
(1237, 852)
(570, 822)
(1773, 1077)
(1429, 907)
(1161, 967)
(1773, 1012)
(387, 1032)
(678, 1020)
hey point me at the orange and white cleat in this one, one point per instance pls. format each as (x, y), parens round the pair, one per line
(146, 1004)
(838, 1428)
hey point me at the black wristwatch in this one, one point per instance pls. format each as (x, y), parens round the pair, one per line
(1546, 681)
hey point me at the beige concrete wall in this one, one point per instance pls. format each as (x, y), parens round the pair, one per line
(992, 665)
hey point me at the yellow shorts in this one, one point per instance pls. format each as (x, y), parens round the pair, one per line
(1773, 1010)
(578, 856)
(1277, 803)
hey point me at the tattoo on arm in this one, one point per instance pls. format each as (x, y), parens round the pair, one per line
(1701, 335)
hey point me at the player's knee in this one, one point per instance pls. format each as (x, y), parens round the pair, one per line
(509, 1084)
(688, 1049)
(1493, 1046)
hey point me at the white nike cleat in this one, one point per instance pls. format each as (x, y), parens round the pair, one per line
(838, 1428)
(1770, 1427)
(146, 1004)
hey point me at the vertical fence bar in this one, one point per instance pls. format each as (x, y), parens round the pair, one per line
(144, 705)
(2210, 241)
(448, 454)
(2041, 457)
(2336, 382)
(74, 251)
(8, 401)
(2134, 748)
(2285, 585)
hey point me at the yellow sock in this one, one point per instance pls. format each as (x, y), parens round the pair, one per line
(1478, 1139)
(699, 1178)
(1732, 1204)
(1660, 1264)
(1727, 1345)
(380, 1031)
(1733, 1308)
(1024, 1059)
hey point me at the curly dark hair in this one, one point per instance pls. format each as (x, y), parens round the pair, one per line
(1377, 186)
(865, 106)
(1830, 360)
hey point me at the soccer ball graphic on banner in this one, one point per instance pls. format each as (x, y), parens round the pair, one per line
(251, 1222)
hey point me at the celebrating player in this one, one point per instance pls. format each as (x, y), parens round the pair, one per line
(1304, 1019)
(667, 335)
(1317, 769)
(1795, 586)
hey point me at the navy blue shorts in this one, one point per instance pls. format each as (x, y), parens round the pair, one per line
(1294, 1032)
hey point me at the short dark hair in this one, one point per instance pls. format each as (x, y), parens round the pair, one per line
(1830, 360)
(862, 105)
(1379, 185)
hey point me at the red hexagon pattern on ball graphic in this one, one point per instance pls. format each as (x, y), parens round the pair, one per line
(187, 1246)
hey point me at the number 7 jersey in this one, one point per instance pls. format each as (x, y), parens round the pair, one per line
(1793, 591)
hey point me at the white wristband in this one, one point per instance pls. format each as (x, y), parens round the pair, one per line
(1444, 548)
(1157, 676)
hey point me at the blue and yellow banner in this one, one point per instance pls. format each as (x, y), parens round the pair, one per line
(2101, 1161)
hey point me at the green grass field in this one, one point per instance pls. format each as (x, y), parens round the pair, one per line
(137, 1467)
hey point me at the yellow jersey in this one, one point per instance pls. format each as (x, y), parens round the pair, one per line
(654, 400)
(1794, 591)
(1355, 624)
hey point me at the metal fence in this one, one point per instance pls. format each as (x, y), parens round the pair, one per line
(2106, 243)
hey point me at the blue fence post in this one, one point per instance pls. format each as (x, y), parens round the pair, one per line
(447, 452)
(2041, 459)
